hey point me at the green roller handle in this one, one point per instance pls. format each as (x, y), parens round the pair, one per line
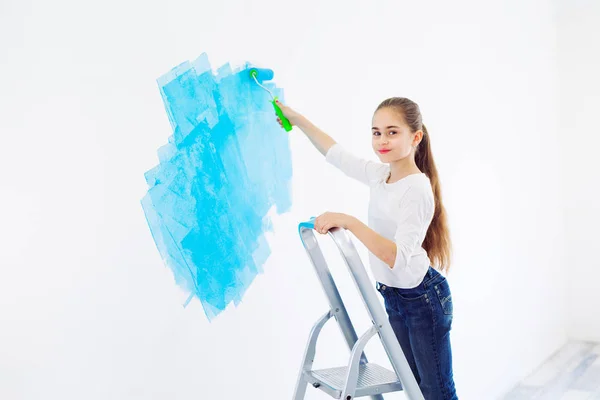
(286, 122)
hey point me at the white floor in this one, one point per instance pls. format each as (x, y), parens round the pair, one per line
(573, 373)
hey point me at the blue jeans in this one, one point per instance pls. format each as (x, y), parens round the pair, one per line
(421, 318)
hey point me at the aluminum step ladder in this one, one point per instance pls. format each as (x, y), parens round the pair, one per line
(360, 377)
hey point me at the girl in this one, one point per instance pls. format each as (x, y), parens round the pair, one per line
(406, 234)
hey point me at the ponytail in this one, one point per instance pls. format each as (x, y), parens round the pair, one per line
(437, 241)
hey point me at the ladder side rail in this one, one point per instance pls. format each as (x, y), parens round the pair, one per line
(376, 312)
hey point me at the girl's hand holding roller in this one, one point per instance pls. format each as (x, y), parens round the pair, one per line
(289, 113)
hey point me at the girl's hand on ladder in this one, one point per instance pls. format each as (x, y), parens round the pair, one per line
(329, 220)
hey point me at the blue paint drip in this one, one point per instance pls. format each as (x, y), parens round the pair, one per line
(226, 164)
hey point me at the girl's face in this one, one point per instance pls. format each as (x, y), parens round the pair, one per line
(390, 132)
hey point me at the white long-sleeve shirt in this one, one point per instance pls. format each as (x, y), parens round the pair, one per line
(399, 211)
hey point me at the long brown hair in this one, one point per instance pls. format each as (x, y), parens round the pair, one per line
(437, 240)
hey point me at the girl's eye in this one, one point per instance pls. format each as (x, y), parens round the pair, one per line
(378, 133)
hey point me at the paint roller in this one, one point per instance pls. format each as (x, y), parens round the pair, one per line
(263, 74)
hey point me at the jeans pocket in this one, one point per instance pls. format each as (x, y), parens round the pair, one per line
(411, 295)
(444, 296)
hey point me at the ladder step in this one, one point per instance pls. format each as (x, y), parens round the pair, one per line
(372, 379)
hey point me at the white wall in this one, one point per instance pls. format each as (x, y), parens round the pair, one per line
(87, 310)
(579, 50)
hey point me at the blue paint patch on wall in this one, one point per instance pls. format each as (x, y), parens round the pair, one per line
(226, 164)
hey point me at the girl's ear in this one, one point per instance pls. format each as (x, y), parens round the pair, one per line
(418, 137)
